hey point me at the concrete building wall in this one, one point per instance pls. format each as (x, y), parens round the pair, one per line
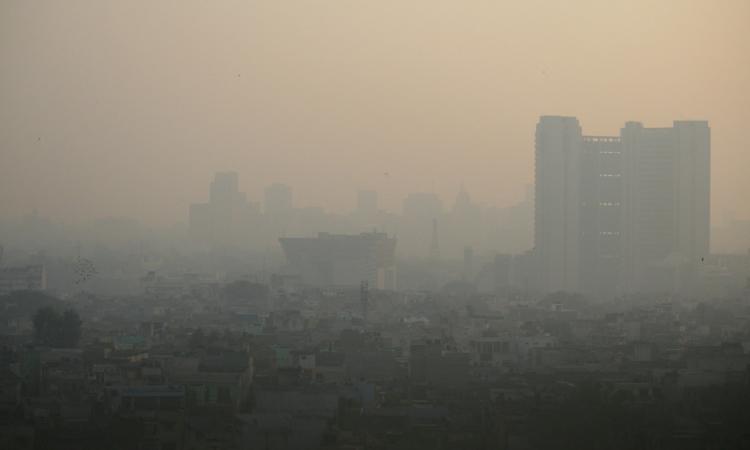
(621, 214)
(557, 200)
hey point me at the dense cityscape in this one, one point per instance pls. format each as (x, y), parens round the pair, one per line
(253, 331)
(385, 225)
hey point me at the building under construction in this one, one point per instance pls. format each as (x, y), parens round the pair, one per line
(343, 260)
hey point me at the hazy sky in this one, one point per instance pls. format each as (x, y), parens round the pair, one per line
(127, 108)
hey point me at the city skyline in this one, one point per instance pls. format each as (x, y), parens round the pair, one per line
(388, 200)
(396, 98)
(389, 225)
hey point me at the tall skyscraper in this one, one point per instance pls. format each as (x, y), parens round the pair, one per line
(601, 214)
(667, 204)
(616, 214)
(557, 207)
(226, 218)
(225, 189)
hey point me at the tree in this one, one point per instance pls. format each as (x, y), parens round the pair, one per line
(55, 329)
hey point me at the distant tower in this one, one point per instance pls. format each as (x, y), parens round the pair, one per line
(557, 214)
(224, 188)
(434, 246)
(462, 204)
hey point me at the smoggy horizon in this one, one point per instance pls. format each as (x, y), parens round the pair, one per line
(128, 109)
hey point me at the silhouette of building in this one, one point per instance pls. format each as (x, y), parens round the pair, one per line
(462, 227)
(342, 259)
(512, 228)
(227, 218)
(621, 213)
(224, 189)
(420, 210)
(463, 205)
(601, 221)
(557, 203)
(667, 201)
